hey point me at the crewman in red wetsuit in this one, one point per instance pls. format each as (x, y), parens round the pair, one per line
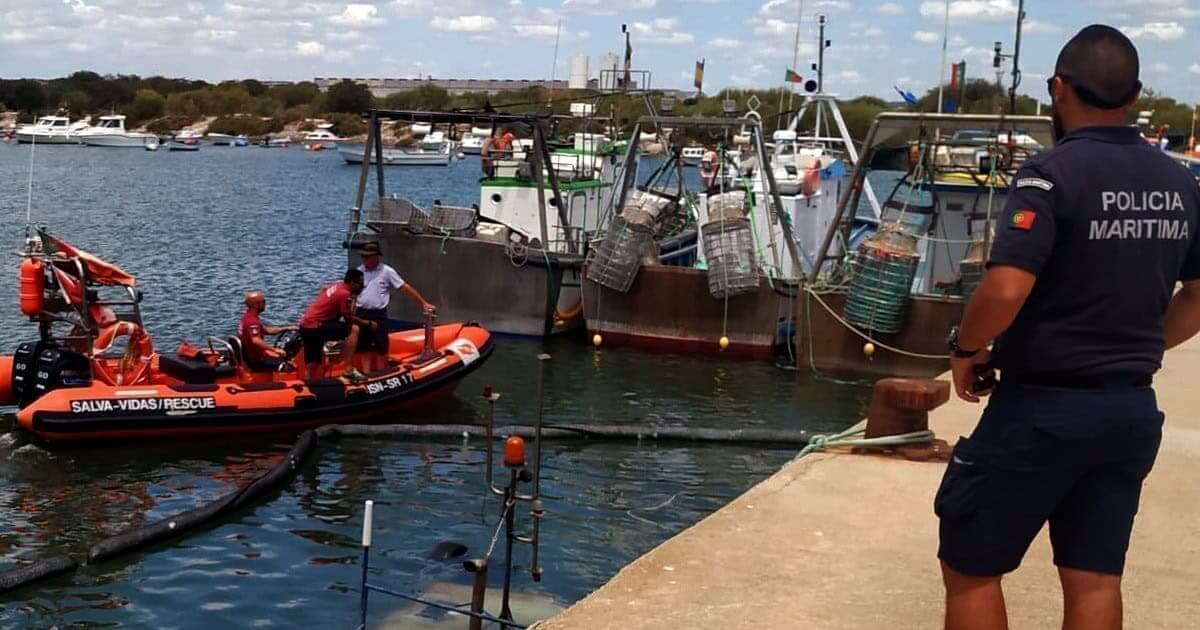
(260, 355)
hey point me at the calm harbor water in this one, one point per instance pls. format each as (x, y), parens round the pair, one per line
(198, 229)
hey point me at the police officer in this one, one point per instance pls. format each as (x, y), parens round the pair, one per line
(1080, 300)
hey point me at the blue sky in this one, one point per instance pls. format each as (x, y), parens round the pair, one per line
(748, 43)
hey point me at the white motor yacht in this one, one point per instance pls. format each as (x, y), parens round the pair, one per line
(111, 132)
(321, 137)
(51, 130)
(434, 141)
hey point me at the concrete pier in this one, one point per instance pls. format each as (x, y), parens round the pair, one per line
(849, 541)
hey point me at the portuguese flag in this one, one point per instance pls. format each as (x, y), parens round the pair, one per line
(1022, 220)
(790, 76)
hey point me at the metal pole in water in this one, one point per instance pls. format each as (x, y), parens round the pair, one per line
(368, 515)
(537, 436)
(509, 503)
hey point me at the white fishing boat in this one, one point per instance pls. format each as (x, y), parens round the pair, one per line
(110, 132)
(471, 145)
(434, 141)
(321, 137)
(275, 143)
(394, 156)
(51, 130)
(188, 134)
(692, 155)
(220, 139)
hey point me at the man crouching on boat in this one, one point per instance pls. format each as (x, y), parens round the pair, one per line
(331, 318)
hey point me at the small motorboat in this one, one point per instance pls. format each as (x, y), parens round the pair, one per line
(94, 374)
(395, 156)
(187, 144)
(276, 143)
(220, 139)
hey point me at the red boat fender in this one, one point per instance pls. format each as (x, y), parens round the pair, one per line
(33, 287)
(6, 391)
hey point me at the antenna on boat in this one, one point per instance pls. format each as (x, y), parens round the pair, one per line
(29, 196)
(1016, 69)
(945, 43)
(554, 66)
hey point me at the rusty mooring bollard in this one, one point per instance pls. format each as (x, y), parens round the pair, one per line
(902, 405)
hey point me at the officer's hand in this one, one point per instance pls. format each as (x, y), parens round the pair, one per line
(973, 377)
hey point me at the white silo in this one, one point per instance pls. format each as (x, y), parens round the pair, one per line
(578, 78)
(608, 71)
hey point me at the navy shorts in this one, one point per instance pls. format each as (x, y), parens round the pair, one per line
(314, 338)
(376, 341)
(1073, 458)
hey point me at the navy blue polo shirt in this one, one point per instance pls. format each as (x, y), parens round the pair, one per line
(1108, 224)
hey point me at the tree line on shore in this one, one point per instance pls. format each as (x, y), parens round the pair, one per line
(253, 108)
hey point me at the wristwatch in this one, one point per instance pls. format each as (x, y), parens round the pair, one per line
(956, 351)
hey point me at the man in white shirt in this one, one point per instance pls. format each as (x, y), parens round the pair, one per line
(379, 280)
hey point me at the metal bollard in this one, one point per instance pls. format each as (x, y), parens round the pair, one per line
(368, 516)
(428, 353)
(479, 569)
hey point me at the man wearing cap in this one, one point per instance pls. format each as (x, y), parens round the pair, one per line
(379, 280)
(260, 355)
(1080, 300)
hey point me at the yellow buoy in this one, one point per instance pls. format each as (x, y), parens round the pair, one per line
(869, 349)
(724, 342)
(597, 340)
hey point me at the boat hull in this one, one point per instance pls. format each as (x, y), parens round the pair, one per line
(670, 309)
(826, 344)
(166, 411)
(393, 157)
(119, 141)
(44, 138)
(472, 280)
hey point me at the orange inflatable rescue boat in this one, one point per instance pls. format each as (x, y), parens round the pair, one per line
(94, 373)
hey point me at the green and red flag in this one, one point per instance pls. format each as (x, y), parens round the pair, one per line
(790, 76)
(1022, 219)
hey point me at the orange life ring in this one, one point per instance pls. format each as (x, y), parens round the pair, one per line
(135, 363)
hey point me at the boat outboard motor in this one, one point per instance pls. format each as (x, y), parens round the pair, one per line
(43, 366)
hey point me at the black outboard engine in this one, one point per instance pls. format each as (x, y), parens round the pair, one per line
(42, 366)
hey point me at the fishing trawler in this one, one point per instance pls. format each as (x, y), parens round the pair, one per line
(759, 228)
(888, 307)
(93, 373)
(513, 261)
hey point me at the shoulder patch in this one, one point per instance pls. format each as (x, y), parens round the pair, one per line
(1035, 182)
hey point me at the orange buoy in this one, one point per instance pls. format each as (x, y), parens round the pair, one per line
(33, 287)
(514, 452)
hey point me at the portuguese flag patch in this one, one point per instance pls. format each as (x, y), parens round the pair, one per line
(1022, 220)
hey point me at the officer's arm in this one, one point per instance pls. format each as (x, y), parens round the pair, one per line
(1183, 315)
(1025, 234)
(994, 305)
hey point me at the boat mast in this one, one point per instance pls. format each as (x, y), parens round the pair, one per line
(795, 62)
(945, 43)
(1016, 69)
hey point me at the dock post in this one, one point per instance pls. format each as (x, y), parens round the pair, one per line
(479, 570)
(368, 514)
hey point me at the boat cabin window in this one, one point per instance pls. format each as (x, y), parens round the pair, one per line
(58, 123)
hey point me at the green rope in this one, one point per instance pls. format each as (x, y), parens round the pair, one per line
(849, 438)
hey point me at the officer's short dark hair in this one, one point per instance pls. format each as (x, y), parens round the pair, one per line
(1101, 66)
(352, 275)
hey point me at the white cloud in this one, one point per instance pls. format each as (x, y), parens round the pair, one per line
(724, 43)
(1160, 67)
(537, 31)
(874, 31)
(1036, 26)
(850, 76)
(358, 16)
(660, 31)
(774, 26)
(971, 10)
(310, 49)
(891, 8)
(464, 23)
(1194, 68)
(1164, 31)
(925, 37)
(606, 7)
(770, 5)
